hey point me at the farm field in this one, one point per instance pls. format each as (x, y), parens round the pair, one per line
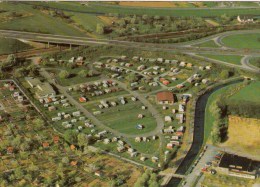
(249, 93)
(99, 8)
(255, 62)
(232, 59)
(11, 45)
(241, 41)
(243, 135)
(210, 43)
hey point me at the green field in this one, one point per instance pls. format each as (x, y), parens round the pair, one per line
(241, 41)
(232, 59)
(249, 93)
(35, 21)
(123, 118)
(101, 8)
(151, 147)
(209, 43)
(255, 62)
(9, 45)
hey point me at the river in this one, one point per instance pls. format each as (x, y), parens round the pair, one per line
(198, 135)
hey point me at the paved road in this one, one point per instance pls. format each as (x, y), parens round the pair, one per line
(180, 47)
(242, 66)
(207, 156)
(218, 37)
(245, 61)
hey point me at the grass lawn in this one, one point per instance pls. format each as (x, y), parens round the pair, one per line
(210, 43)
(232, 59)
(249, 93)
(249, 41)
(151, 147)
(36, 21)
(123, 118)
(9, 45)
(255, 62)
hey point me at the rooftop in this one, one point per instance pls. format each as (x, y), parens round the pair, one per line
(237, 162)
(165, 96)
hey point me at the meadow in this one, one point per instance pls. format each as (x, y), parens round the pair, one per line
(243, 41)
(249, 93)
(232, 59)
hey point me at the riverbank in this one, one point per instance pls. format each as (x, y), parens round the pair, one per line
(198, 130)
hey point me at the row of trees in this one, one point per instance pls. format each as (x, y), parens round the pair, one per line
(144, 24)
(64, 74)
(219, 129)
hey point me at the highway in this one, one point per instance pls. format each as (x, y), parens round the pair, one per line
(182, 47)
(73, 40)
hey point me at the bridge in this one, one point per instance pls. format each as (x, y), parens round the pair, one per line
(82, 41)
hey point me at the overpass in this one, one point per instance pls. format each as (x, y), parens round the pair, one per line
(82, 41)
(74, 40)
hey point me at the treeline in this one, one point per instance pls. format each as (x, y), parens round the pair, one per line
(243, 108)
(223, 107)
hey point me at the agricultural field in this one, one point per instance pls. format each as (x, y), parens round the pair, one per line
(242, 41)
(11, 46)
(232, 59)
(243, 135)
(99, 8)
